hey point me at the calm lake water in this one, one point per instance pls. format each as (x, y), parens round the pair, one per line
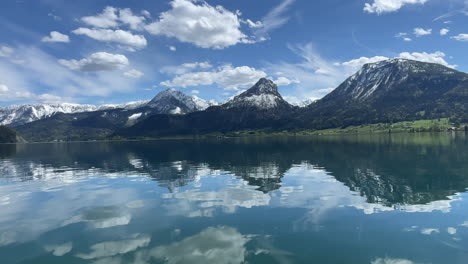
(389, 199)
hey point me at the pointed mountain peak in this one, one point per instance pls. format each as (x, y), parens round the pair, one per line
(263, 95)
(172, 101)
(264, 86)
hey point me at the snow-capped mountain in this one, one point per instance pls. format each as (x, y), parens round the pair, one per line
(392, 91)
(20, 114)
(171, 101)
(127, 106)
(377, 79)
(263, 95)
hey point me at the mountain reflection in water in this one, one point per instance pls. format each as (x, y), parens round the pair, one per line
(256, 200)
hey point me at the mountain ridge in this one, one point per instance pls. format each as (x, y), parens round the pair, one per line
(383, 92)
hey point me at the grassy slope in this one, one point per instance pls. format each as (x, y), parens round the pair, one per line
(437, 125)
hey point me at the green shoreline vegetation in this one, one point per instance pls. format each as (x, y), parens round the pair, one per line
(419, 126)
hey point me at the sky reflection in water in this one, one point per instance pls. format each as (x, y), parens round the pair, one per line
(380, 199)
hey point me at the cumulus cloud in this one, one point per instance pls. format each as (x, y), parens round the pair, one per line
(107, 19)
(6, 51)
(461, 37)
(200, 24)
(387, 6)
(358, 63)
(134, 74)
(419, 32)
(112, 17)
(135, 22)
(228, 77)
(109, 35)
(99, 61)
(56, 37)
(435, 57)
(444, 31)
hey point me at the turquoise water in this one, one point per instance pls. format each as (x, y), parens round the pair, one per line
(389, 199)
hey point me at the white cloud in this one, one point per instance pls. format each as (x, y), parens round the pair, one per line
(430, 231)
(3, 88)
(356, 64)
(56, 37)
(112, 17)
(419, 32)
(404, 36)
(55, 17)
(185, 67)
(387, 6)
(134, 74)
(194, 65)
(252, 24)
(451, 230)
(195, 91)
(273, 20)
(436, 57)
(444, 31)
(226, 76)
(146, 13)
(42, 69)
(200, 24)
(107, 19)
(99, 61)
(109, 35)
(283, 81)
(461, 37)
(222, 245)
(391, 261)
(6, 51)
(112, 248)
(59, 250)
(172, 48)
(127, 17)
(401, 34)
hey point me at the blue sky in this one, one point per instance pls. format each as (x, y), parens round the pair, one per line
(102, 51)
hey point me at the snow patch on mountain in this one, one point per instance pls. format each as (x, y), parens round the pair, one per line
(171, 101)
(384, 75)
(22, 114)
(263, 95)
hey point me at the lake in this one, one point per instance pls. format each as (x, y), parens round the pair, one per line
(380, 199)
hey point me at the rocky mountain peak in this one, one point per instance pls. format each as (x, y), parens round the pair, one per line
(383, 76)
(172, 101)
(264, 86)
(263, 95)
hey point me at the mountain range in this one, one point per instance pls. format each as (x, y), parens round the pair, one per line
(387, 91)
